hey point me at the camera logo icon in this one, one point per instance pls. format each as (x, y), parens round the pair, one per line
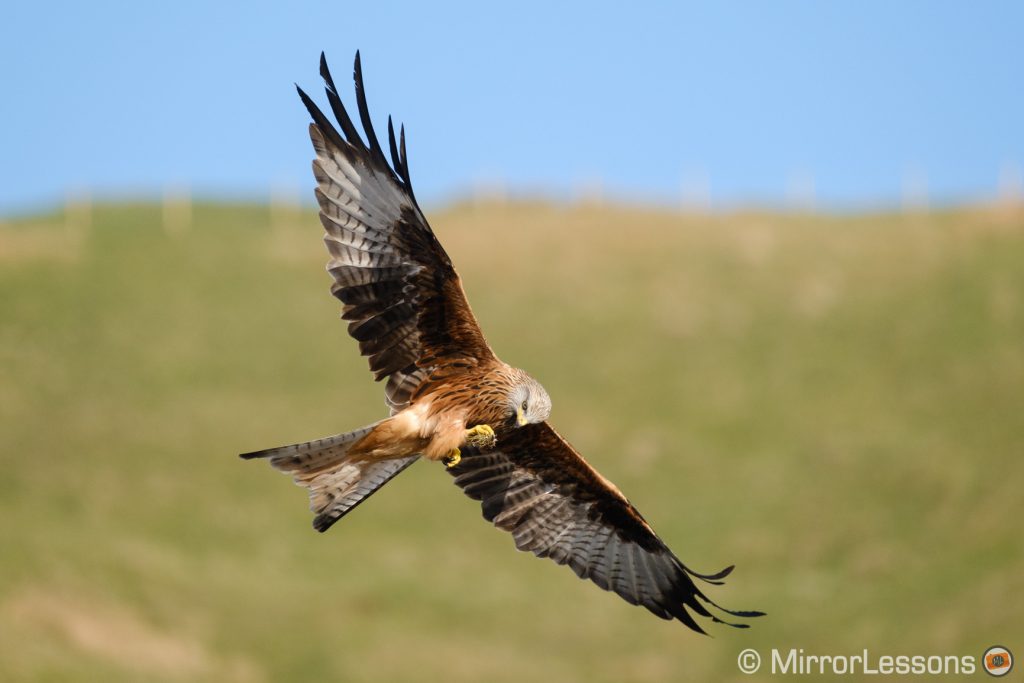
(997, 661)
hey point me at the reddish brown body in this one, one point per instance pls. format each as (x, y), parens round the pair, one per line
(445, 405)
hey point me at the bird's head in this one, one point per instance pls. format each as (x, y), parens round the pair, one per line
(528, 402)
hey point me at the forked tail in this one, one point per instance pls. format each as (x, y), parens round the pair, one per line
(336, 484)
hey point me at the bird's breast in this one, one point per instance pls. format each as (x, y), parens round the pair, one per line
(482, 398)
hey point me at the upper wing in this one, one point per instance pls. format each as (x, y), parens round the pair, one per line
(403, 298)
(536, 486)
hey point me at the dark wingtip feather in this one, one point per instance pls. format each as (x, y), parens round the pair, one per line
(715, 578)
(743, 614)
(712, 578)
(337, 107)
(680, 613)
(405, 162)
(399, 169)
(322, 122)
(396, 160)
(364, 115)
(729, 623)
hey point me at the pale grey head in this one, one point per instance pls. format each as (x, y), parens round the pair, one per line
(528, 402)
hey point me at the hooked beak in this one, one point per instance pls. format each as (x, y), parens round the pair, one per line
(520, 418)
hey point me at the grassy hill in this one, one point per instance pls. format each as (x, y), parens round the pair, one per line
(834, 404)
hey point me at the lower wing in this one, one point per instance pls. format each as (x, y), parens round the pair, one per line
(537, 487)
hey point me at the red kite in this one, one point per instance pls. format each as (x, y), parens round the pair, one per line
(451, 398)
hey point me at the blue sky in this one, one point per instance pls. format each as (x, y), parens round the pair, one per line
(647, 100)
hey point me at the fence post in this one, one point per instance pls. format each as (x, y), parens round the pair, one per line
(695, 190)
(915, 190)
(284, 208)
(800, 191)
(1011, 185)
(177, 210)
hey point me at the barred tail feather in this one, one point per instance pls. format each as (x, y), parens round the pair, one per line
(311, 456)
(336, 485)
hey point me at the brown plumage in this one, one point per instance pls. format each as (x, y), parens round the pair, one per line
(449, 394)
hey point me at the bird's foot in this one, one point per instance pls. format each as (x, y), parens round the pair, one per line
(452, 459)
(481, 436)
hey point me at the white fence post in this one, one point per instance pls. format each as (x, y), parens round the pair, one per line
(284, 207)
(915, 190)
(696, 191)
(800, 191)
(177, 210)
(1011, 184)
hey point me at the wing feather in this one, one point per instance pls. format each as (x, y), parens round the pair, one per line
(537, 487)
(401, 385)
(402, 297)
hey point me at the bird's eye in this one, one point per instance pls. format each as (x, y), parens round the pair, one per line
(524, 405)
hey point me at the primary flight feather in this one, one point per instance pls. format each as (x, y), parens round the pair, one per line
(451, 398)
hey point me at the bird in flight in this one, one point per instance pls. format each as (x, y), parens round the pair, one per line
(451, 399)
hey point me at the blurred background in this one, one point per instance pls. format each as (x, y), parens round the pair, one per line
(768, 259)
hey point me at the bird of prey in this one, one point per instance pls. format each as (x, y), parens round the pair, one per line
(451, 398)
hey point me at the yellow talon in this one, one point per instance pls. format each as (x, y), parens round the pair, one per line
(481, 436)
(453, 458)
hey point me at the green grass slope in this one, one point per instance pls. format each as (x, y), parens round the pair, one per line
(834, 404)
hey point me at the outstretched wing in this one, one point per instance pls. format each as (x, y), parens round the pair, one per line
(402, 297)
(536, 486)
